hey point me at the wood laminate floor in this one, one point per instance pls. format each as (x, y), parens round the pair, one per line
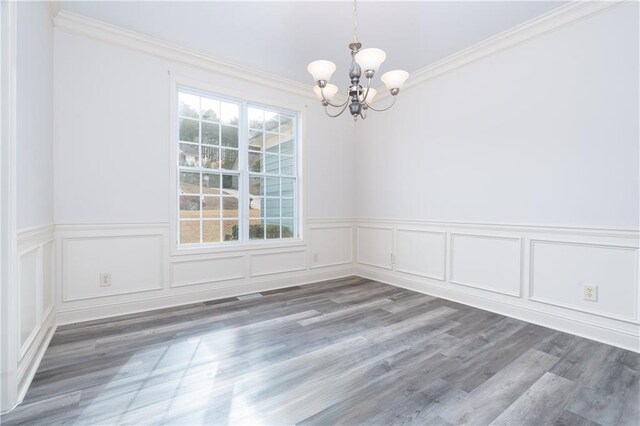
(348, 351)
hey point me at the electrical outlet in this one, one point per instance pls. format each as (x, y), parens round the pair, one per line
(316, 257)
(590, 293)
(105, 279)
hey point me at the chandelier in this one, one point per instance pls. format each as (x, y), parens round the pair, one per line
(359, 99)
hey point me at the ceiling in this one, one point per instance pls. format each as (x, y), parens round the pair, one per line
(281, 38)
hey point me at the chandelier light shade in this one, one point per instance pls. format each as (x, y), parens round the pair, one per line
(359, 99)
(370, 59)
(328, 92)
(321, 70)
(394, 79)
(372, 94)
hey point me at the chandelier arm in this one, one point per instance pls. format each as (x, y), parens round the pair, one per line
(329, 103)
(364, 99)
(383, 109)
(336, 115)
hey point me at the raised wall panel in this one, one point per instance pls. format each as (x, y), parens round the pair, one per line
(47, 277)
(331, 246)
(202, 271)
(273, 263)
(421, 252)
(559, 270)
(135, 263)
(29, 281)
(375, 245)
(486, 262)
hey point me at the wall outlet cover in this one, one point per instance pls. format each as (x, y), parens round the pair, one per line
(590, 293)
(105, 279)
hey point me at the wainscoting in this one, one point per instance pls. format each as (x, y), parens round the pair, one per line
(532, 273)
(145, 275)
(536, 274)
(36, 318)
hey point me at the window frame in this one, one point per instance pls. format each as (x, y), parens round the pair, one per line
(245, 102)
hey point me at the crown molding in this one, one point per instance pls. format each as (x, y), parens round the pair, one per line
(544, 23)
(92, 28)
(81, 25)
(54, 9)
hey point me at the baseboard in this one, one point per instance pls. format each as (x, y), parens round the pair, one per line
(32, 359)
(626, 337)
(107, 310)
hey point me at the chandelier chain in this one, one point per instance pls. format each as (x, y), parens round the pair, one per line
(355, 21)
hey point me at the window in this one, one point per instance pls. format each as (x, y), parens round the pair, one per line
(237, 171)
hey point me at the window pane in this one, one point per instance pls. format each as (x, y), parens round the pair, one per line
(256, 118)
(255, 186)
(273, 187)
(228, 113)
(286, 125)
(271, 121)
(271, 142)
(273, 229)
(288, 186)
(189, 130)
(189, 231)
(256, 140)
(287, 207)
(210, 109)
(189, 156)
(229, 159)
(287, 228)
(286, 145)
(231, 230)
(273, 207)
(230, 136)
(230, 184)
(286, 165)
(188, 105)
(189, 183)
(255, 206)
(255, 162)
(210, 157)
(230, 206)
(256, 229)
(210, 183)
(271, 163)
(189, 207)
(211, 231)
(211, 207)
(210, 134)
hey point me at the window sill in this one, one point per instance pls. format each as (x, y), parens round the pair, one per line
(237, 247)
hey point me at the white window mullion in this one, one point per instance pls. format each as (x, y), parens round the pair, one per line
(243, 146)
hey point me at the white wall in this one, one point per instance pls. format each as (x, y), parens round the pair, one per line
(544, 133)
(512, 182)
(34, 115)
(28, 252)
(112, 187)
(112, 136)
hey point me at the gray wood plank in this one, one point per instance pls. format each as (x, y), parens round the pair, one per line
(348, 351)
